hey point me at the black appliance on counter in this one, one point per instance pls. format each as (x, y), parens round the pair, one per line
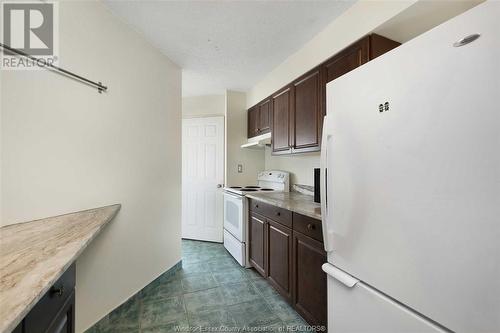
(317, 196)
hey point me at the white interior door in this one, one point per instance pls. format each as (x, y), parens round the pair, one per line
(202, 178)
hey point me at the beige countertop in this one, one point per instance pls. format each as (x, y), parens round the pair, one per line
(293, 201)
(33, 255)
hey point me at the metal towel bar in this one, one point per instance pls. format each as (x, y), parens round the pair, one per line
(42, 63)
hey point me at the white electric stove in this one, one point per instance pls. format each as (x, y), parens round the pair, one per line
(236, 210)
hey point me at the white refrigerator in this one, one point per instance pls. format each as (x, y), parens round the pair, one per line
(411, 184)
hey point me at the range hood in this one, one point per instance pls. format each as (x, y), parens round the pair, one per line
(258, 142)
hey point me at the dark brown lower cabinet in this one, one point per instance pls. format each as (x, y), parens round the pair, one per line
(279, 254)
(309, 280)
(55, 311)
(288, 252)
(257, 238)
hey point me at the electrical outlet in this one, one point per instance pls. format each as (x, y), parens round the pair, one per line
(240, 168)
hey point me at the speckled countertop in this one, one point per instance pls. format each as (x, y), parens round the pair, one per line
(33, 255)
(293, 201)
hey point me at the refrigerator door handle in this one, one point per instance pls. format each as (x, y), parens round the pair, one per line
(324, 186)
(339, 275)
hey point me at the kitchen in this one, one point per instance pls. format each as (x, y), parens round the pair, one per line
(229, 220)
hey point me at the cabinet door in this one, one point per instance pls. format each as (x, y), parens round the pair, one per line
(252, 121)
(281, 109)
(264, 115)
(347, 60)
(19, 328)
(257, 235)
(307, 114)
(380, 45)
(65, 319)
(279, 254)
(48, 307)
(309, 280)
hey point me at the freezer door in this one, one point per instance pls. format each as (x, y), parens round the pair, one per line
(413, 204)
(359, 308)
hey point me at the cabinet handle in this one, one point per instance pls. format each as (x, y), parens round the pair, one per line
(311, 226)
(256, 206)
(278, 213)
(57, 291)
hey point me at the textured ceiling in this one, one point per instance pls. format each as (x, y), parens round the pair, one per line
(227, 44)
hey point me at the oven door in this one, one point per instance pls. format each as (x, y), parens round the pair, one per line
(235, 209)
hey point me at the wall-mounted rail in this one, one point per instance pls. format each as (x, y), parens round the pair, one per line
(43, 63)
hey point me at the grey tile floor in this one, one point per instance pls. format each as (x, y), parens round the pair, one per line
(210, 293)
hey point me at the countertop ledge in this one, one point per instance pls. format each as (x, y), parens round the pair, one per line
(293, 201)
(33, 255)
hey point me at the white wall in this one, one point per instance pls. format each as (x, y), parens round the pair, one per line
(67, 148)
(421, 17)
(236, 135)
(301, 167)
(203, 106)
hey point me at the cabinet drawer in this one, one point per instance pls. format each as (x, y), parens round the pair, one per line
(274, 213)
(308, 226)
(258, 207)
(41, 316)
(280, 215)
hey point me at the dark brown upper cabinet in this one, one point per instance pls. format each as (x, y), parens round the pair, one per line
(252, 116)
(346, 60)
(380, 45)
(259, 118)
(281, 105)
(297, 110)
(355, 55)
(307, 112)
(265, 116)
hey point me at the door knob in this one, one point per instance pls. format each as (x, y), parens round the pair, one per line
(220, 185)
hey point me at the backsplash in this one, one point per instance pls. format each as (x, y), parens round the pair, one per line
(300, 166)
(304, 189)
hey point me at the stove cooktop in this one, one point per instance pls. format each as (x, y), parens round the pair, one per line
(267, 181)
(241, 190)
